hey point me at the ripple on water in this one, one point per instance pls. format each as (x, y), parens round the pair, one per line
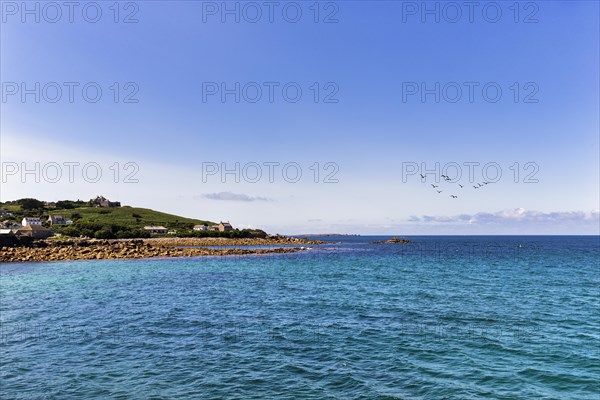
(355, 321)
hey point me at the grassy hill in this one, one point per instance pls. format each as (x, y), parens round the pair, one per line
(110, 222)
(133, 217)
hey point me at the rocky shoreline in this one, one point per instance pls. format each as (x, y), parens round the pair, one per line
(218, 241)
(91, 249)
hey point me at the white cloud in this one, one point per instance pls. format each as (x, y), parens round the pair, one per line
(517, 215)
(230, 196)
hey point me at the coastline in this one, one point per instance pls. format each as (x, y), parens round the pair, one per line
(94, 249)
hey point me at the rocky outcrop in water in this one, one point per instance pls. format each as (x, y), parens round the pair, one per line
(393, 240)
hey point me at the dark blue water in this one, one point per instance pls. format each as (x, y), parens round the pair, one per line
(440, 318)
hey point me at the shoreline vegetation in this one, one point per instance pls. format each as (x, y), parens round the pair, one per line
(99, 249)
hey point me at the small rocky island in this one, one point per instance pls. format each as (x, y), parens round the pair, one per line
(393, 240)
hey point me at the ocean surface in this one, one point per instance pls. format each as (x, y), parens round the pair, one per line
(478, 317)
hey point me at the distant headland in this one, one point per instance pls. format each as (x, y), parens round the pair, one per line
(101, 218)
(35, 230)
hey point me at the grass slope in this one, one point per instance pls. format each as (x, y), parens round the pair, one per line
(133, 217)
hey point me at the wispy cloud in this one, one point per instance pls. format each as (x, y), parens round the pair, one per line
(230, 196)
(517, 215)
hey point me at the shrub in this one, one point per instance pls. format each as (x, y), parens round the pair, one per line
(124, 235)
(86, 232)
(71, 231)
(141, 233)
(30, 204)
(104, 233)
(65, 204)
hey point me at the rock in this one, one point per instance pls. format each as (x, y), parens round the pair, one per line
(393, 240)
(396, 240)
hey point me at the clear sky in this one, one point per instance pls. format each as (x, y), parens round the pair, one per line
(386, 87)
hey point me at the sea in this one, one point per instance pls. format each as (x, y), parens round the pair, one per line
(442, 317)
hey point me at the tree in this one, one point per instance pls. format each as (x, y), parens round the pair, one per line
(30, 204)
(65, 204)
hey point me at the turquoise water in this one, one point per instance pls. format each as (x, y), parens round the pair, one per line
(441, 318)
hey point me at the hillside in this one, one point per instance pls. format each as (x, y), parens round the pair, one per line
(134, 217)
(108, 222)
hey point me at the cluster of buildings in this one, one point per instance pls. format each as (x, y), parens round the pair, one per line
(52, 220)
(101, 201)
(29, 227)
(33, 226)
(220, 227)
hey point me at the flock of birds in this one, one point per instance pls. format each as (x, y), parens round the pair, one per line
(448, 179)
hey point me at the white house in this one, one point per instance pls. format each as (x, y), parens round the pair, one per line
(30, 221)
(57, 220)
(200, 227)
(159, 230)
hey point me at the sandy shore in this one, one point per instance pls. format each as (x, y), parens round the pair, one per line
(82, 249)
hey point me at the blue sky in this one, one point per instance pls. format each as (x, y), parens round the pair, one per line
(365, 62)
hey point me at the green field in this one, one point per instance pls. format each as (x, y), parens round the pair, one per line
(111, 222)
(133, 217)
(102, 222)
